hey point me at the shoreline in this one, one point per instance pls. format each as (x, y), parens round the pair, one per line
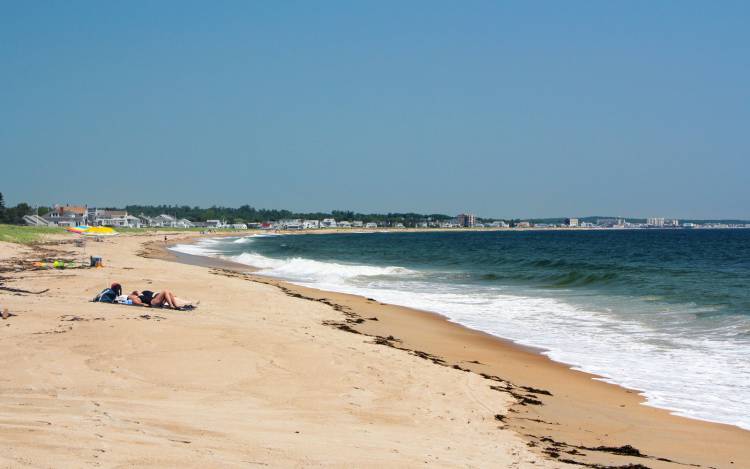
(615, 418)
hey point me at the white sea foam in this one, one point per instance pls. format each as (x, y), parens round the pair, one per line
(706, 378)
(203, 247)
(306, 270)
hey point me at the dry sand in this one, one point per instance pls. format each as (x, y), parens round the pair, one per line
(251, 378)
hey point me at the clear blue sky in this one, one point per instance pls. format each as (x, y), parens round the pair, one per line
(529, 109)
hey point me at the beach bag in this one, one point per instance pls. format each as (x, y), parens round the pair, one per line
(106, 296)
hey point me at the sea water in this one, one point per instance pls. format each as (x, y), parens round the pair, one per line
(665, 312)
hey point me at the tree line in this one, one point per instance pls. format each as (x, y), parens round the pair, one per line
(243, 214)
(248, 214)
(14, 215)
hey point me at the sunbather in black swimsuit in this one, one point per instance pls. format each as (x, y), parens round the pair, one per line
(146, 296)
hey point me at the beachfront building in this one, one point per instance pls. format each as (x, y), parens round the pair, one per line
(371, 225)
(160, 221)
(66, 215)
(467, 220)
(114, 218)
(358, 224)
(498, 224)
(310, 224)
(215, 224)
(523, 224)
(295, 224)
(36, 220)
(123, 221)
(184, 223)
(657, 222)
(344, 224)
(571, 222)
(610, 222)
(328, 223)
(238, 226)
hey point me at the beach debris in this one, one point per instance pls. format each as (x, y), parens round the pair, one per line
(341, 325)
(625, 450)
(6, 314)
(71, 318)
(21, 291)
(536, 390)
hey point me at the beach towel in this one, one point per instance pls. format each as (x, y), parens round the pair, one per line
(106, 296)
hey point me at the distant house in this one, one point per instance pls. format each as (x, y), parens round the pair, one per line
(328, 223)
(160, 221)
(571, 222)
(523, 224)
(115, 218)
(357, 224)
(310, 224)
(399, 225)
(36, 220)
(166, 220)
(127, 221)
(239, 226)
(66, 215)
(371, 225)
(295, 224)
(344, 224)
(466, 220)
(184, 223)
(214, 223)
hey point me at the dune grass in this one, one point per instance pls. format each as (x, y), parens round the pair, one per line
(26, 234)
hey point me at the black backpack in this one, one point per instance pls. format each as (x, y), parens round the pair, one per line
(106, 296)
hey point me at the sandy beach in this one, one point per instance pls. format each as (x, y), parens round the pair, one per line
(265, 373)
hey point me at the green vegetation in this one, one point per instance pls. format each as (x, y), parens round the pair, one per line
(14, 215)
(248, 214)
(26, 234)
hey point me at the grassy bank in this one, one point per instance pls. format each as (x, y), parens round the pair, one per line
(26, 234)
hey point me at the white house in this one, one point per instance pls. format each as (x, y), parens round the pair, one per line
(328, 223)
(311, 224)
(184, 223)
(294, 224)
(371, 225)
(358, 224)
(128, 221)
(214, 223)
(344, 224)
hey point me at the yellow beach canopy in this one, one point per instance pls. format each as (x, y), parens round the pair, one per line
(99, 231)
(93, 230)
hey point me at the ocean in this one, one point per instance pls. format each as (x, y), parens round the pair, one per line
(665, 312)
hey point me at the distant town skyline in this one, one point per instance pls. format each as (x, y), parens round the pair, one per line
(507, 109)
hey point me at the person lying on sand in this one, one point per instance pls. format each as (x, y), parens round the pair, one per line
(164, 298)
